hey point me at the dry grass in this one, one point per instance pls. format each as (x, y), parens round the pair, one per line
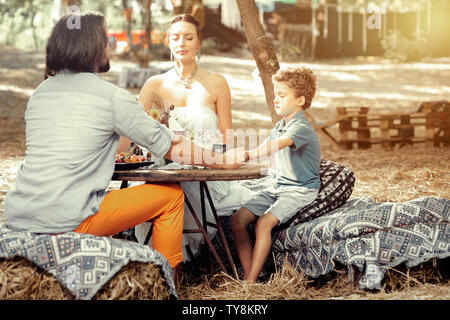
(421, 282)
(399, 174)
(136, 281)
(20, 279)
(286, 284)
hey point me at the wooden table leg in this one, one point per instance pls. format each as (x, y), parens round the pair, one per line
(205, 235)
(202, 228)
(202, 199)
(220, 230)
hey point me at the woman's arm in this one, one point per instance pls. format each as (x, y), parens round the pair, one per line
(149, 94)
(147, 97)
(223, 106)
(184, 151)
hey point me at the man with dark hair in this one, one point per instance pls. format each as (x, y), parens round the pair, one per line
(70, 47)
(73, 123)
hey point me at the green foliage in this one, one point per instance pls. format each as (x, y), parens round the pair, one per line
(27, 24)
(397, 47)
(212, 45)
(24, 23)
(289, 49)
(160, 52)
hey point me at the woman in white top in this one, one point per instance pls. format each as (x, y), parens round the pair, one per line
(202, 102)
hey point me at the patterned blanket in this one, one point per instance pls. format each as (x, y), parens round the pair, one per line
(371, 236)
(81, 262)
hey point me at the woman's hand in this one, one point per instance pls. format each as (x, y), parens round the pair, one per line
(233, 158)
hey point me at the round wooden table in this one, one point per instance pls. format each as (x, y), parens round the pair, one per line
(158, 175)
(246, 171)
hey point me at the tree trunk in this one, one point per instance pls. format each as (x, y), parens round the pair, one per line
(142, 53)
(68, 3)
(147, 20)
(102, 7)
(178, 7)
(33, 28)
(262, 50)
(127, 12)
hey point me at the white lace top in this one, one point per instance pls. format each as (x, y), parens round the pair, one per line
(200, 120)
(204, 123)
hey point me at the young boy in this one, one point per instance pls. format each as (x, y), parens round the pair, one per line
(296, 182)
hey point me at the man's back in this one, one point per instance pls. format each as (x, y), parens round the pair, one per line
(70, 143)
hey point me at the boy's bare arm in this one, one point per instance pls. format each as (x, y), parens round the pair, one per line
(268, 148)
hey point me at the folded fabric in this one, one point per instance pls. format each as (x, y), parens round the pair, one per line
(81, 262)
(368, 235)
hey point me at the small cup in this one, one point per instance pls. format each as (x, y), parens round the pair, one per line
(219, 147)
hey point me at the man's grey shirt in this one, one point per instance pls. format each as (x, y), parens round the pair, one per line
(73, 123)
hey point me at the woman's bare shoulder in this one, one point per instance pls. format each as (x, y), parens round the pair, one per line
(150, 92)
(155, 80)
(215, 78)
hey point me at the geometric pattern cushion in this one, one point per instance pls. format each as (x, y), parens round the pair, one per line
(371, 236)
(81, 262)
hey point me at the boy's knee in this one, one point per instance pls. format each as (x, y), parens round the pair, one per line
(237, 219)
(266, 223)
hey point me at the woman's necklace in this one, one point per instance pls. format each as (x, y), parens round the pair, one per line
(188, 81)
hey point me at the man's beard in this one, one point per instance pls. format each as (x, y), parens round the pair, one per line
(104, 67)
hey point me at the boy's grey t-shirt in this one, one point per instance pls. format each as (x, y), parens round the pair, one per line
(73, 123)
(299, 164)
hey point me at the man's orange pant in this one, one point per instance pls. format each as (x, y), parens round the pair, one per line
(125, 208)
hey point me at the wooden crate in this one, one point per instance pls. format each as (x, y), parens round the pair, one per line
(354, 120)
(395, 128)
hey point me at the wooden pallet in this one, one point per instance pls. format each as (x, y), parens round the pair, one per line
(395, 128)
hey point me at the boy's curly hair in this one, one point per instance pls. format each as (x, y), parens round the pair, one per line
(301, 80)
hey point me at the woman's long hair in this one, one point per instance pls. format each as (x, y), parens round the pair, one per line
(77, 47)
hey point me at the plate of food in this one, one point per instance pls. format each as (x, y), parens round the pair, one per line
(129, 161)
